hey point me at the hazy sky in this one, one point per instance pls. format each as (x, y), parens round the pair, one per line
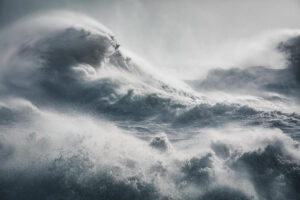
(173, 32)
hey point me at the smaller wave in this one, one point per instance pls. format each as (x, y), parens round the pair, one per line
(259, 79)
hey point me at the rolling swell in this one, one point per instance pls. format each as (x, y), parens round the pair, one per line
(71, 69)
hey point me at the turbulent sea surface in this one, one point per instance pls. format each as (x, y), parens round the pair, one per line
(82, 118)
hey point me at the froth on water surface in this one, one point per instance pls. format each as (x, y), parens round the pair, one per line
(83, 118)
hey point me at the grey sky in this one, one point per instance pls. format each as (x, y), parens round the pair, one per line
(173, 32)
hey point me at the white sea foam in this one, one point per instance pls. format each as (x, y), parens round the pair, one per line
(81, 118)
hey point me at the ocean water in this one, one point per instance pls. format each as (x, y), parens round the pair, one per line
(82, 118)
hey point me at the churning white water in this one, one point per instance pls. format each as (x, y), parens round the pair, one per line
(82, 118)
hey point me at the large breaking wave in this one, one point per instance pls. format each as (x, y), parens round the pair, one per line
(83, 118)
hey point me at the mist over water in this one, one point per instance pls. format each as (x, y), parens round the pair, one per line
(82, 117)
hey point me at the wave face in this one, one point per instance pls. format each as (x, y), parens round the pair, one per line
(83, 118)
